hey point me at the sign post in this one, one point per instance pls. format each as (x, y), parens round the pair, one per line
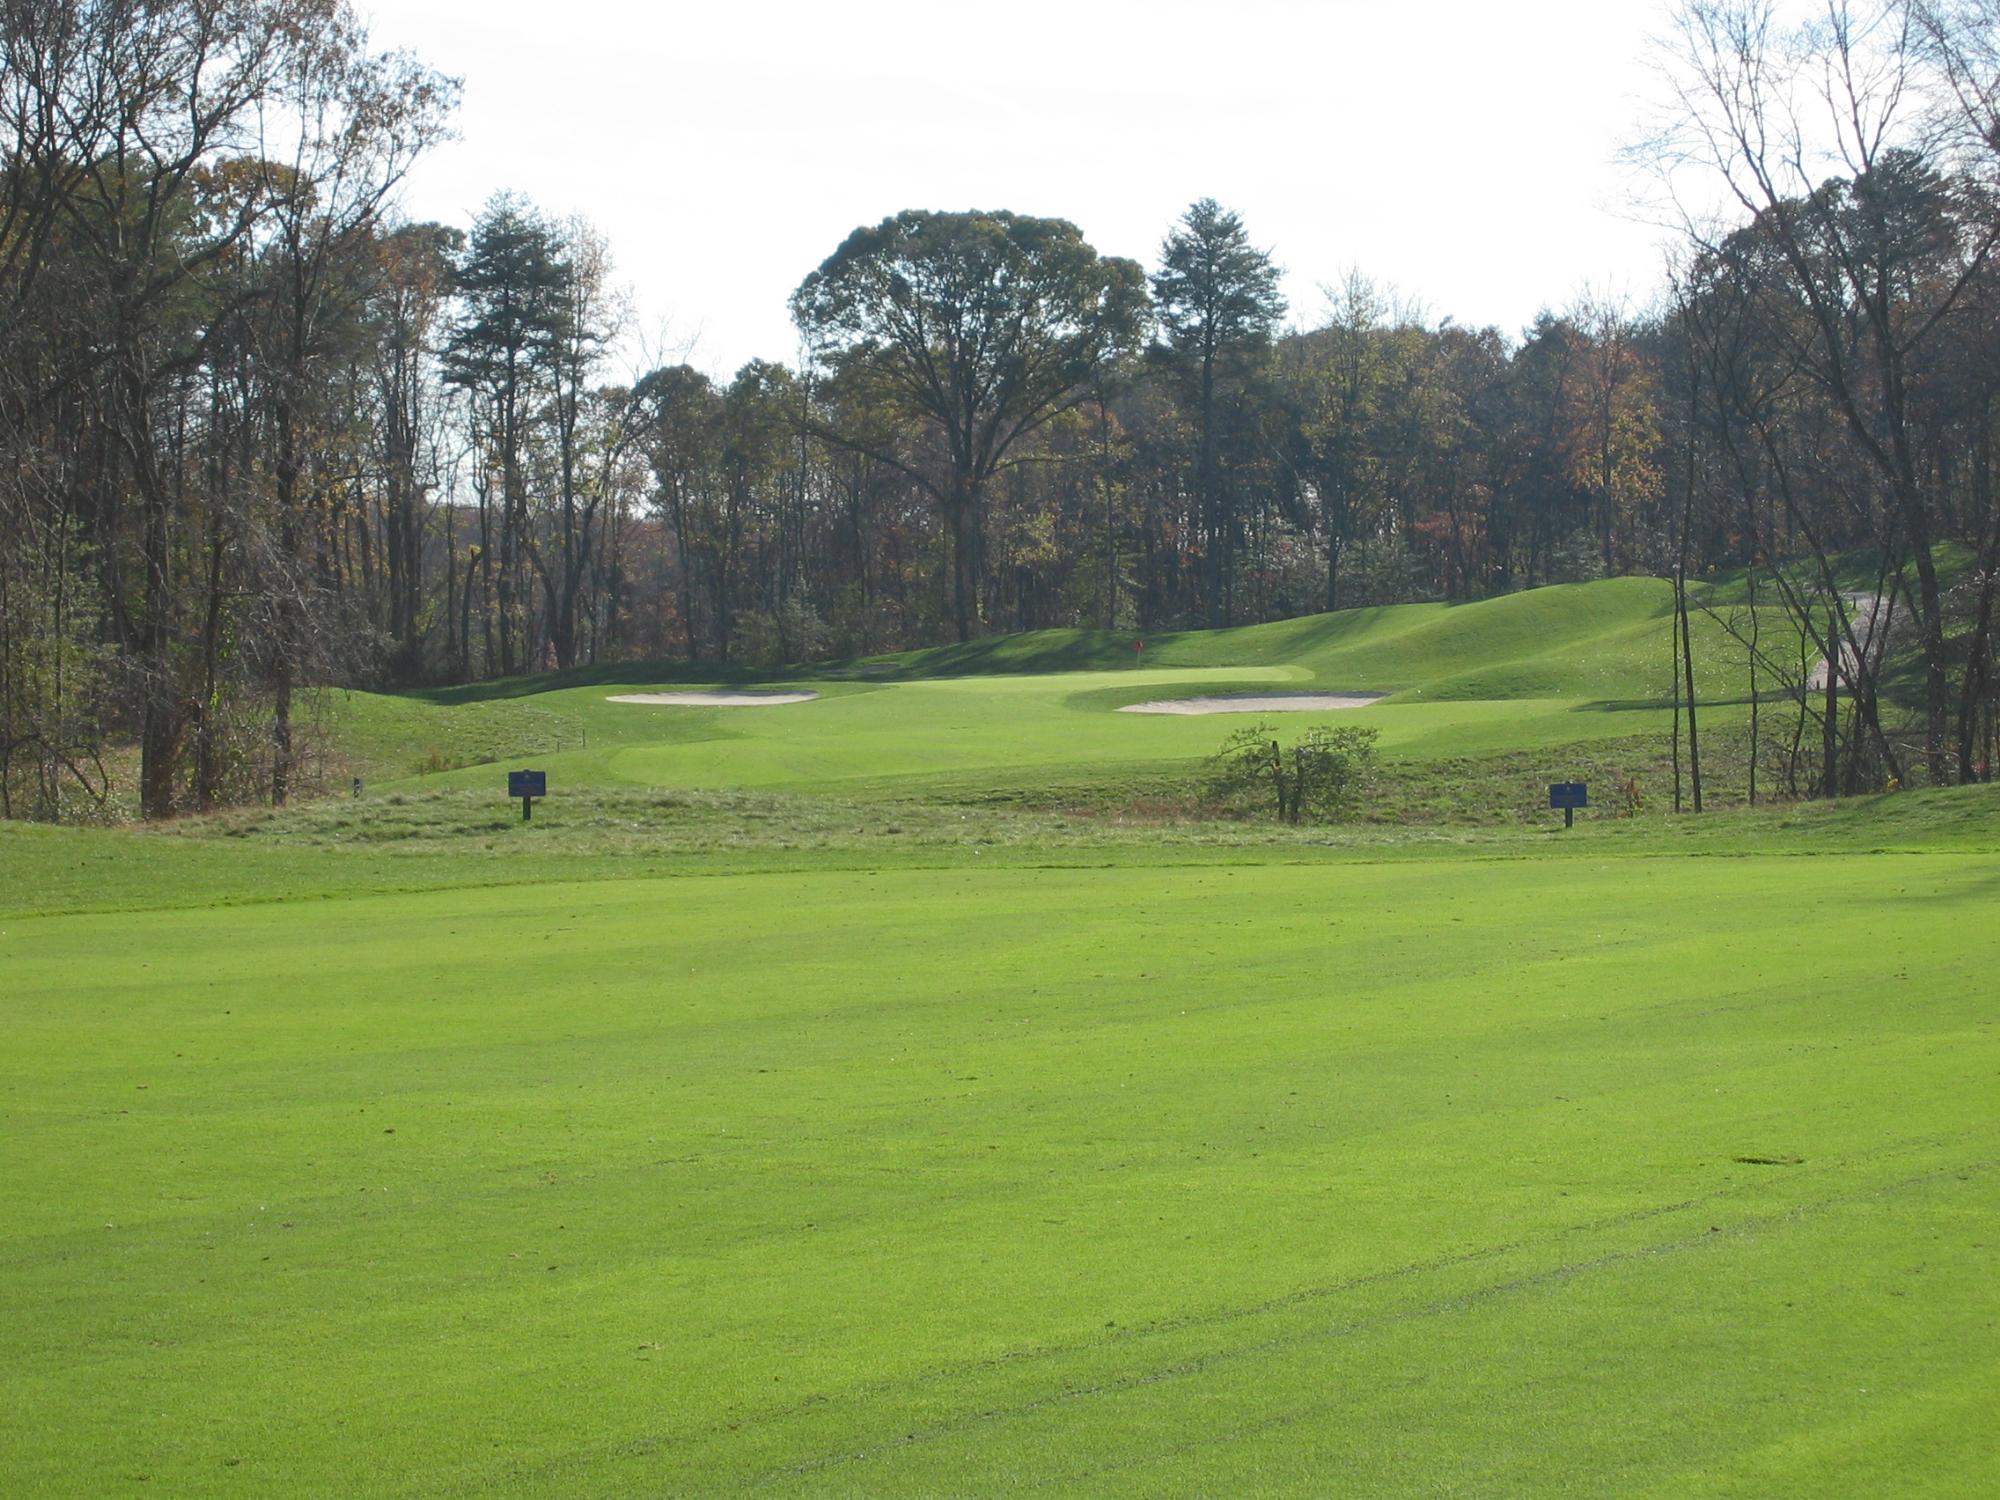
(527, 785)
(1569, 796)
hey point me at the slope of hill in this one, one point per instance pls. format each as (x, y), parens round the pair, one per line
(1527, 673)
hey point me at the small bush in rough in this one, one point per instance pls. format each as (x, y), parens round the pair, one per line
(1322, 777)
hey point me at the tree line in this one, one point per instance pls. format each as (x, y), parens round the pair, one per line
(264, 433)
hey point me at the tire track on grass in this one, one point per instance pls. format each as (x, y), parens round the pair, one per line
(1197, 1365)
(872, 1391)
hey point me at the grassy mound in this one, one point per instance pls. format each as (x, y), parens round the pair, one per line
(1525, 675)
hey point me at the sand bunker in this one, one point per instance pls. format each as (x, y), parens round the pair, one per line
(1254, 703)
(716, 700)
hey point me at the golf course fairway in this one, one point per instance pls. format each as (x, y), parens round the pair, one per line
(808, 1101)
(1592, 1174)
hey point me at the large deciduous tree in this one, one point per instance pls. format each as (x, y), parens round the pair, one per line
(408, 306)
(189, 195)
(985, 326)
(358, 120)
(1821, 137)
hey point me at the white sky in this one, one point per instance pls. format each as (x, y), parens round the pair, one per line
(1460, 151)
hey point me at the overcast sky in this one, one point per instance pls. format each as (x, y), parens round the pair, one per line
(1462, 151)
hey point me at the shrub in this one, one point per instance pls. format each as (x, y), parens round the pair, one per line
(1322, 778)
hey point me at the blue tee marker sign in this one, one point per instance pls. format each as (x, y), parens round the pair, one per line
(1569, 796)
(527, 785)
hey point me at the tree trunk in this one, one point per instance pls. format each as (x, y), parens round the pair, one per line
(1211, 505)
(1756, 735)
(1333, 552)
(1829, 774)
(1937, 685)
(207, 763)
(1687, 663)
(1110, 520)
(281, 738)
(285, 616)
(160, 725)
(964, 583)
(1978, 671)
(1674, 656)
(465, 618)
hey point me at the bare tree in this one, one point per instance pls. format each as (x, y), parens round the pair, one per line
(1818, 135)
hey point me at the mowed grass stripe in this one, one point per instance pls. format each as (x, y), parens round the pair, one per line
(708, 1185)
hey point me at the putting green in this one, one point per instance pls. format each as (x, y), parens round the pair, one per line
(1004, 725)
(1554, 667)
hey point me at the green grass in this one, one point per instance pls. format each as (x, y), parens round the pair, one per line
(1411, 1177)
(1582, 665)
(905, 1094)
